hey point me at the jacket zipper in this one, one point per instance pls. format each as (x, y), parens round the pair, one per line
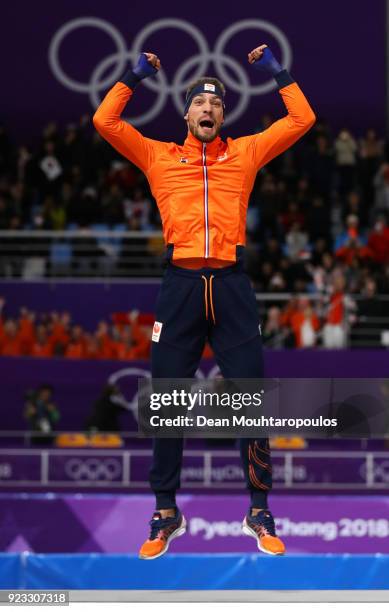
(205, 176)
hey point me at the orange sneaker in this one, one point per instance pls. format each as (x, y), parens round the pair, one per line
(163, 531)
(262, 528)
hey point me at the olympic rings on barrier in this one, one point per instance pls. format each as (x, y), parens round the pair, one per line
(118, 61)
(93, 469)
(379, 471)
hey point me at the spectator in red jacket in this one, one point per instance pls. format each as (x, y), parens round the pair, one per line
(92, 347)
(76, 346)
(351, 244)
(378, 241)
(305, 324)
(41, 346)
(334, 332)
(60, 332)
(133, 343)
(105, 341)
(11, 345)
(26, 330)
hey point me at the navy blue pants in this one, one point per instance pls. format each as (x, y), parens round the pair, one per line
(193, 306)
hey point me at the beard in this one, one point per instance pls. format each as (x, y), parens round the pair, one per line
(198, 132)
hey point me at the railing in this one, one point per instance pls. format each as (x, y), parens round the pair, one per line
(209, 469)
(360, 331)
(118, 255)
(80, 253)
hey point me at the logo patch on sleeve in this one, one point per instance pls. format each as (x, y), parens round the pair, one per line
(156, 331)
(209, 87)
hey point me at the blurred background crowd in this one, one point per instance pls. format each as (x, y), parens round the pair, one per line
(54, 335)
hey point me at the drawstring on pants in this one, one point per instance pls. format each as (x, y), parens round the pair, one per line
(205, 279)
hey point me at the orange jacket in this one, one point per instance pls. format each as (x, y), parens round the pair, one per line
(202, 190)
(75, 350)
(26, 334)
(335, 314)
(42, 350)
(11, 346)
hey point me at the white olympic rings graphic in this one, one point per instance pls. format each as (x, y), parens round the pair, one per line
(93, 469)
(118, 61)
(137, 374)
(380, 471)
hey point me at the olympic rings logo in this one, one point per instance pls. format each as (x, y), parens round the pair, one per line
(118, 61)
(380, 471)
(93, 469)
(136, 374)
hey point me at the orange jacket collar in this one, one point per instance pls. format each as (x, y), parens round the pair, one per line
(193, 144)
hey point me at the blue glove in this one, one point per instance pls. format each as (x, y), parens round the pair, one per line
(144, 69)
(268, 63)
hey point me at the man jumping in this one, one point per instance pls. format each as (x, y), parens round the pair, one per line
(202, 189)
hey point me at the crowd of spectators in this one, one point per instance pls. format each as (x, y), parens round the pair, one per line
(317, 217)
(320, 208)
(299, 322)
(53, 334)
(333, 320)
(71, 178)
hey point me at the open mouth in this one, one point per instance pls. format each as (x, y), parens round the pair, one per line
(207, 123)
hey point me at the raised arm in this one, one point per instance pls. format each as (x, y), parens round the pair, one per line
(120, 134)
(286, 131)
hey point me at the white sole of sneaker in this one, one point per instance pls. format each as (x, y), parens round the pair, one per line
(250, 532)
(176, 534)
